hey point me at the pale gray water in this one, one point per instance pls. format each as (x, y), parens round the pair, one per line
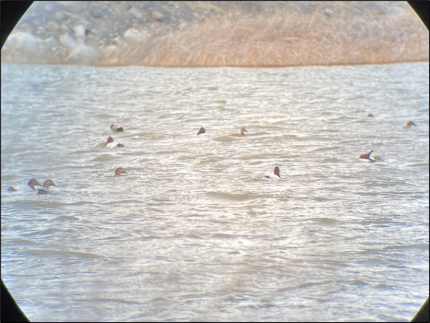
(194, 231)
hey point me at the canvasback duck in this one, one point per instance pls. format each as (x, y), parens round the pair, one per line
(241, 134)
(119, 171)
(115, 127)
(111, 144)
(367, 157)
(276, 174)
(45, 186)
(32, 183)
(370, 115)
(202, 130)
(410, 123)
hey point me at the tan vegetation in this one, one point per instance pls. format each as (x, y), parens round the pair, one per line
(281, 38)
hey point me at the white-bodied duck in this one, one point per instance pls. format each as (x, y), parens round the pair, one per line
(33, 185)
(111, 144)
(115, 127)
(276, 174)
(367, 157)
(241, 134)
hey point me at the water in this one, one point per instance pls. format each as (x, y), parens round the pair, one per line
(194, 231)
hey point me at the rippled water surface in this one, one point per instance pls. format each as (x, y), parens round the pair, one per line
(194, 231)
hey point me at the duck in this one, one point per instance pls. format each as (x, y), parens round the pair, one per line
(45, 186)
(119, 171)
(32, 183)
(241, 134)
(202, 130)
(276, 174)
(367, 157)
(410, 123)
(115, 127)
(111, 144)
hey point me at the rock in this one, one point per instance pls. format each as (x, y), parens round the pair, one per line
(329, 13)
(157, 15)
(134, 12)
(52, 26)
(23, 42)
(49, 7)
(40, 31)
(79, 33)
(50, 42)
(98, 12)
(135, 34)
(67, 41)
(117, 41)
(82, 54)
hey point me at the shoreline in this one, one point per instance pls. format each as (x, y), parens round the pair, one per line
(216, 34)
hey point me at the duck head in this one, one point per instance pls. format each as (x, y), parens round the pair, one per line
(33, 182)
(119, 171)
(410, 123)
(243, 130)
(277, 171)
(48, 183)
(202, 130)
(110, 139)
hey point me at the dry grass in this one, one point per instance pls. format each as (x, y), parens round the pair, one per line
(281, 38)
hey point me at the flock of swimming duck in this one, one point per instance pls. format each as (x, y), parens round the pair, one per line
(43, 189)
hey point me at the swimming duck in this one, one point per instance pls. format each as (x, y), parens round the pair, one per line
(119, 171)
(32, 183)
(45, 186)
(111, 144)
(202, 130)
(410, 123)
(115, 127)
(367, 156)
(241, 134)
(276, 174)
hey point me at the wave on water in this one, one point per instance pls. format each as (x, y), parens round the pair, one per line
(223, 139)
(237, 196)
(66, 218)
(330, 160)
(63, 253)
(327, 220)
(106, 157)
(195, 211)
